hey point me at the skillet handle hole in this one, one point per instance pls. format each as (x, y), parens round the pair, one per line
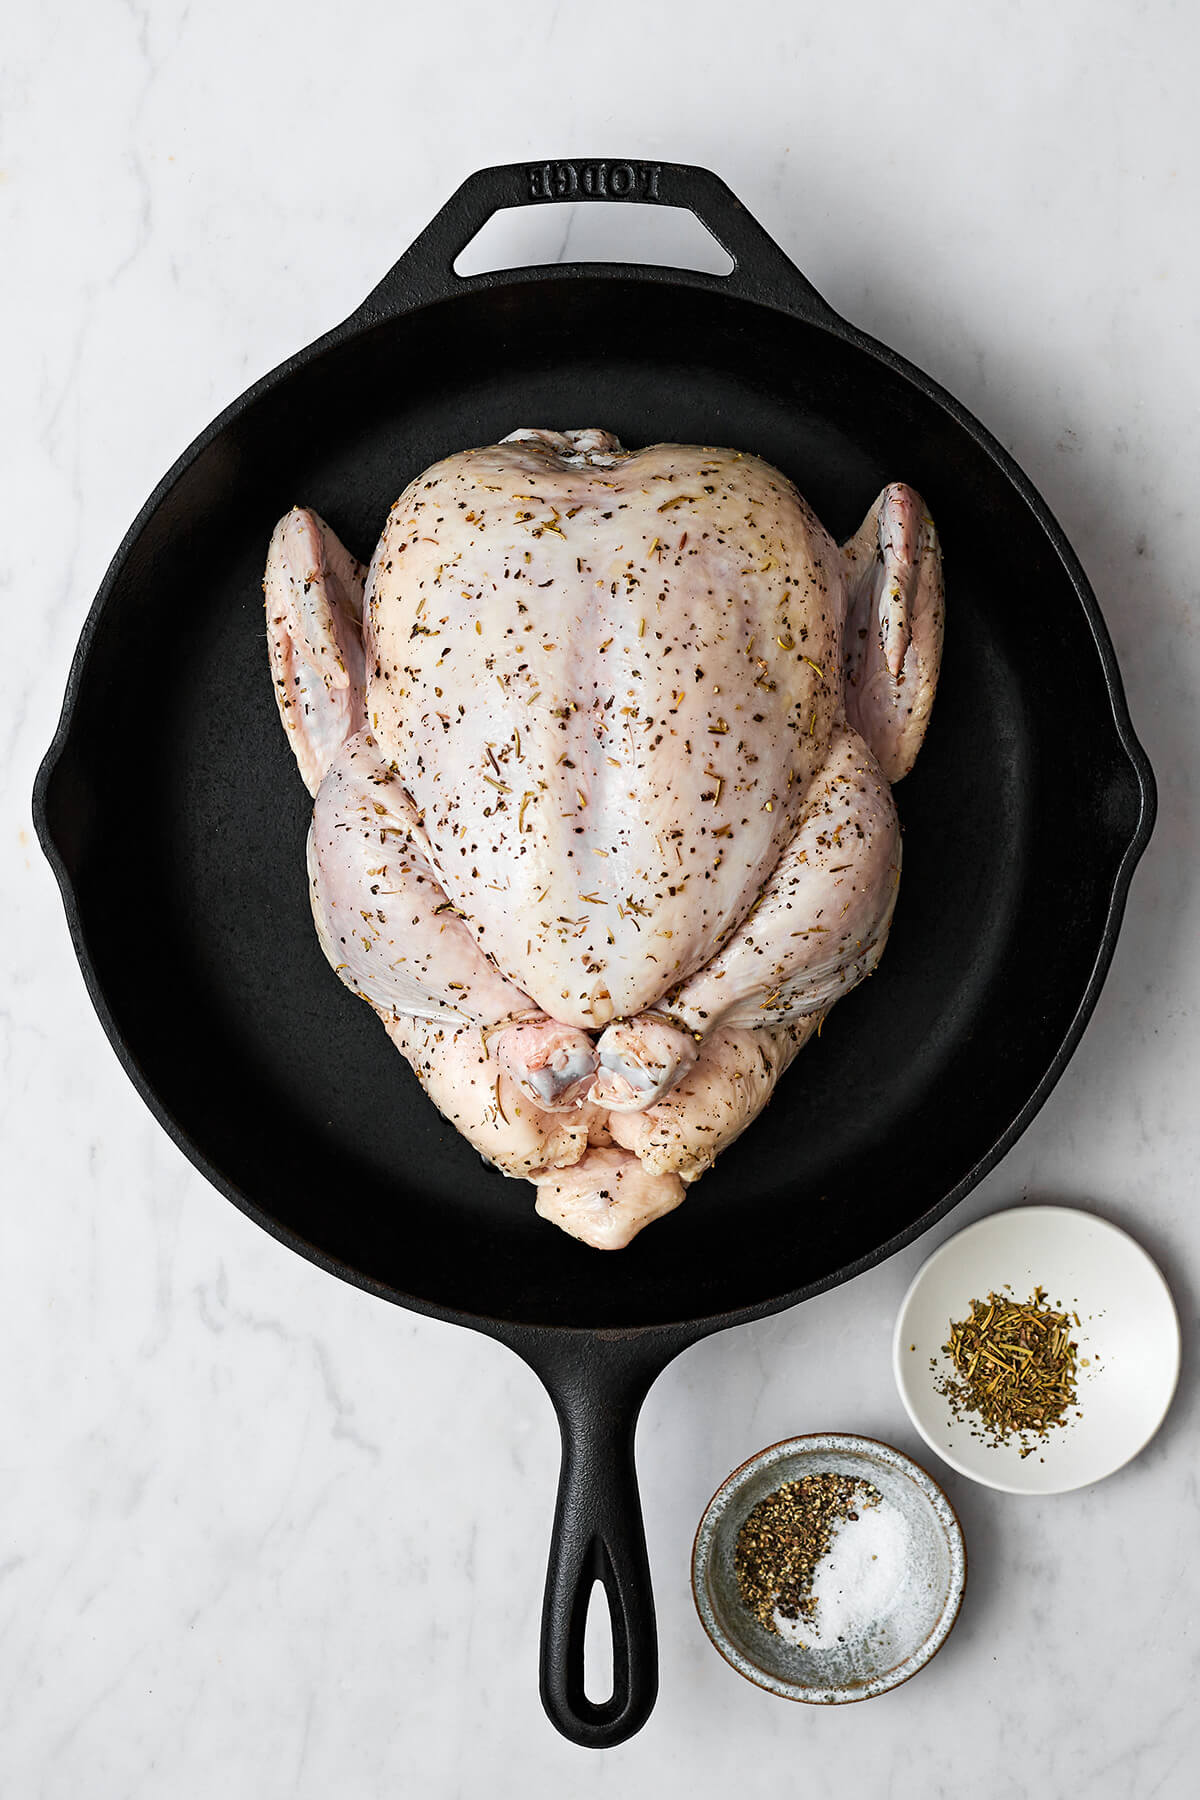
(598, 1683)
(669, 237)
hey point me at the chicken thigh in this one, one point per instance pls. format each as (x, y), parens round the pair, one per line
(601, 747)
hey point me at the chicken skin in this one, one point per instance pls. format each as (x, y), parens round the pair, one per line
(601, 747)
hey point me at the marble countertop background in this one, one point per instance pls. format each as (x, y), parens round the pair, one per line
(260, 1535)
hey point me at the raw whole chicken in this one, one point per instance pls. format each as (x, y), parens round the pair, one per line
(602, 745)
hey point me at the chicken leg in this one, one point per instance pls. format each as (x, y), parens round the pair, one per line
(818, 927)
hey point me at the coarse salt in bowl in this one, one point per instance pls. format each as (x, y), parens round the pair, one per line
(887, 1591)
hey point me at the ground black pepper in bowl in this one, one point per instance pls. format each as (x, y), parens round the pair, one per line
(784, 1538)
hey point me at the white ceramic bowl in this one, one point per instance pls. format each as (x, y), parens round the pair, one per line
(912, 1624)
(1128, 1334)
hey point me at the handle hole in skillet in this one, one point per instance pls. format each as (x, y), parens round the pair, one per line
(598, 1647)
(670, 237)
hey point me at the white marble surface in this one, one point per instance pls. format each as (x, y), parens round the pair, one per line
(261, 1535)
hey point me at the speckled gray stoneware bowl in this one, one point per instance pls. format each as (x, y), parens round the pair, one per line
(917, 1618)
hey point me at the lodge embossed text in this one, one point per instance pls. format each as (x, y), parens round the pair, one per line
(594, 180)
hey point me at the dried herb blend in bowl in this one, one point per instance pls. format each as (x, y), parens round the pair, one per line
(1015, 1367)
(786, 1535)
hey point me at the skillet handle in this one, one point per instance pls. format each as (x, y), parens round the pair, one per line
(761, 271)
(597, 1382)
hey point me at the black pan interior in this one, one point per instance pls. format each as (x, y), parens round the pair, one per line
(182, 820)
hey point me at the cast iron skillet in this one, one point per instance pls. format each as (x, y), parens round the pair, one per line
(176, 830)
